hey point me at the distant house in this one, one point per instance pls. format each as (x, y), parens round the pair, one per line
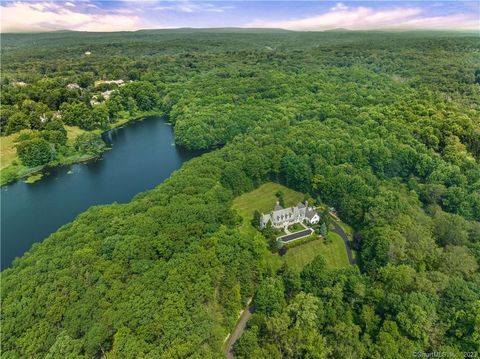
(115, 82)
(88, 53)
(106, 95)
(281, 217)
(73, 86)
(43, 118)
(18, 83)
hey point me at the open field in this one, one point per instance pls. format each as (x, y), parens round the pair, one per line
(334, 253)
(8, 151)
(263, 199)
(73, 132)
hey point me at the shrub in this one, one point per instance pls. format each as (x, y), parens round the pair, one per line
(35, 152)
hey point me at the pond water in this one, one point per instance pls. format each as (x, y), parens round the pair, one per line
(143, 155)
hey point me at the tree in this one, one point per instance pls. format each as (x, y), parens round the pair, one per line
(256, 219)
(143, 93)
(296, 171)
(450, 229)
(323, 229)
(99, 117)
(269, 296)
(114, 105)
(76, 114)
(35, 152)
(246, 346)
(314, 275)
(326, 217)
(304, 310)
(457, 260)
(291, 281)
(64, 347)
(16, 122)
(89, 143)
(281, 198)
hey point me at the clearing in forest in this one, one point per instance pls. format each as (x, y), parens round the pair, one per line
(332, 249)
(263, 199)
(8, 150)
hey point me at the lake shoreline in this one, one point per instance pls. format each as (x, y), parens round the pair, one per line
(142, 157)
(24, 172)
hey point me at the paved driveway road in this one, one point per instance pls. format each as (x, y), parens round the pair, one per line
(338, 230)
(242, 322)
(238, 331)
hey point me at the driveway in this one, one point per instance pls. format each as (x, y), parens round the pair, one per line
(238, 331)
(338, 230)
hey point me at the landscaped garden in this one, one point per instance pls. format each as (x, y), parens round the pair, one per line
(263, 199)
(296, 227)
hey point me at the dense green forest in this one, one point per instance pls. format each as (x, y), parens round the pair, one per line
(385, 127)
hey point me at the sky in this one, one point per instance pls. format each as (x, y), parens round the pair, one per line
(131, 15)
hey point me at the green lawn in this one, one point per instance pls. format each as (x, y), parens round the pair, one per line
(8, 151)
(262, 199)
(335, 253)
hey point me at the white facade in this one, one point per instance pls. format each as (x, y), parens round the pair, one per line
(314, 219)
(283, 217)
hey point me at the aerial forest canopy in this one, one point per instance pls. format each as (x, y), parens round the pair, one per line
(385, 127)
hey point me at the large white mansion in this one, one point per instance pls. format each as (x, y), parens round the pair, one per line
(283, 217)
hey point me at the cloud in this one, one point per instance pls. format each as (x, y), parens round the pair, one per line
(339, 6)
(191, 7)
(48, 16)
(71, 4)
(364, 18)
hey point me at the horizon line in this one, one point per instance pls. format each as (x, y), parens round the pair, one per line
(393, 29)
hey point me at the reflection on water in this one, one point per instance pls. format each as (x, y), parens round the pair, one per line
(142, 156)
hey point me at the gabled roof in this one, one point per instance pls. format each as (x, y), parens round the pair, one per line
(310, 214)
(300, 205)
(277, 207)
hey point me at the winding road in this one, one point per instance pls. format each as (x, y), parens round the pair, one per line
(238, 331)
(247, 313)
(338, 230)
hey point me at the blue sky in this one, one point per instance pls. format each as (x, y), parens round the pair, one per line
(91, 15)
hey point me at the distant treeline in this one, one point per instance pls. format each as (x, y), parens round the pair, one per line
(383, 126)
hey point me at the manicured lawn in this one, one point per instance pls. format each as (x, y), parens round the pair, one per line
(334, 253)
(263, 199)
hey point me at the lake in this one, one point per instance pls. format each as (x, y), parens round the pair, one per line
(143, 155)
